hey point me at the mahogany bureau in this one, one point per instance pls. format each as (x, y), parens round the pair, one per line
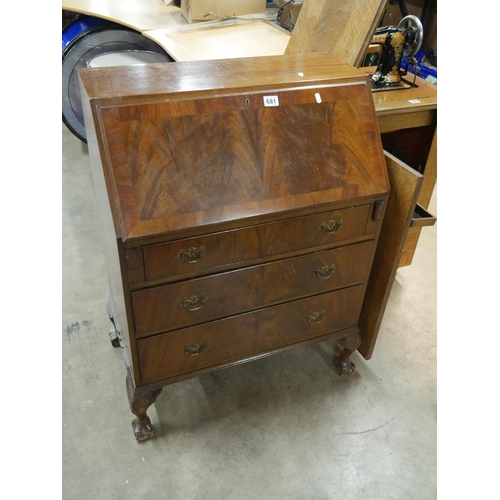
(241, 202)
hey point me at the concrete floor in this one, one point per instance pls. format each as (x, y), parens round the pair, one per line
(284, 427)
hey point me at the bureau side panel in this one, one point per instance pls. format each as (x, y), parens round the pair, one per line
(405, 187)
(111, 243)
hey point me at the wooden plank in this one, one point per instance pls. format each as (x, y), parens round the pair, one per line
(405, 187)
(391, 123)
(343, 29)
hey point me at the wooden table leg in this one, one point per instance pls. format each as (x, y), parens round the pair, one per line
(139, 404)
(349, 344)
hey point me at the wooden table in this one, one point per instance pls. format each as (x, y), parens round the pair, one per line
(256, 38)
(160, 23)
(406, 118)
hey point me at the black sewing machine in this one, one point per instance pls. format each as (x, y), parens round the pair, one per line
(396, 42)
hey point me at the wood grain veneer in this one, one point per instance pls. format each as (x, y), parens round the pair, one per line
(249, 334)
(249, 244)
(406, 184)
(161, 309)
(343, 29)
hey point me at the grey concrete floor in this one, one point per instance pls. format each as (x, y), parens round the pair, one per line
(284, 427)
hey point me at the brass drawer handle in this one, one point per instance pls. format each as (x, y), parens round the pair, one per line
(194, 302)
(325, 271)
(195, 349)
(192, 254)
(331, 226)
(315, 317)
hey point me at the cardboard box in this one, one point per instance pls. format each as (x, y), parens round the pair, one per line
(194, 10)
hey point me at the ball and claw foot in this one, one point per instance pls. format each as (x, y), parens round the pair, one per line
(344, 368)
(139, 404)
(143, 429)
(349, 344)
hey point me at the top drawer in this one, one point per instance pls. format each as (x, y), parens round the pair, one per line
(181, 257)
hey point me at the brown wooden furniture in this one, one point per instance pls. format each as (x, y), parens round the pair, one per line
(241, 207)
(407, 121)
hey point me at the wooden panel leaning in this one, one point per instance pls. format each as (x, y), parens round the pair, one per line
(341, 28)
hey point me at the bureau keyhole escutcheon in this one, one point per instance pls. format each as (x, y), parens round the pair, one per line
(194, 302)
(331, 226)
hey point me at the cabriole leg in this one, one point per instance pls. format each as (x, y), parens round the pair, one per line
(349, 344)
(139, 404)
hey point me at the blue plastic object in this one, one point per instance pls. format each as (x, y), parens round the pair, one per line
(78, 25)
(423, 71)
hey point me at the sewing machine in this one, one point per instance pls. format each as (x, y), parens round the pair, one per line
(396, 42)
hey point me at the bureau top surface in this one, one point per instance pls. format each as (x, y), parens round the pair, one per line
(190, 145)
(117, 84)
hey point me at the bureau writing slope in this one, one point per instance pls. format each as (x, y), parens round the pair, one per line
(241, 203)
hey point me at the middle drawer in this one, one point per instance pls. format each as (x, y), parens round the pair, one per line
(169, 307)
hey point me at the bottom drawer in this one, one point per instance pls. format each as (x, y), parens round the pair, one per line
(238, 337)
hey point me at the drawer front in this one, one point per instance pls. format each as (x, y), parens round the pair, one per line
(236, 338)
(192, 302)
(182, 257)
